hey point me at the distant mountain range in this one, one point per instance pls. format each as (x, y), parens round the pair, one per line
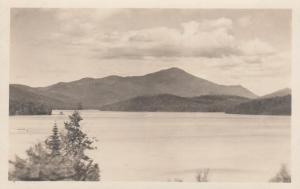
(169, 90)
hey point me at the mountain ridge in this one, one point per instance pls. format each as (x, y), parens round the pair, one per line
(96, 92)
(172, 69)
(278, 93)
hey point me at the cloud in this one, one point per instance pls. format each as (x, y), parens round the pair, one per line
(212, 38)
(82, 21)
(244, 21)
(233, 49)
(257, 47)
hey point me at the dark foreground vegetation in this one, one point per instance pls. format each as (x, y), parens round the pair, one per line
(60, 157)
(282, 176)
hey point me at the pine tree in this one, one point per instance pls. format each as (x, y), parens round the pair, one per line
(79, 106)
(54, 142)
(60, 157)
(202, 175)
(76, 142)
(282, 176)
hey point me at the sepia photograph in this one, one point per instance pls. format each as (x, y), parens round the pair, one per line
(150, 95)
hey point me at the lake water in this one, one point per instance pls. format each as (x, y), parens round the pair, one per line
(160, 146)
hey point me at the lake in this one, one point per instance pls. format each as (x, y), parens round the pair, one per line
(160, 146)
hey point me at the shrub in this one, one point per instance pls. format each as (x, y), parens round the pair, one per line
(60, 157)
(202, 175)
(282, 176)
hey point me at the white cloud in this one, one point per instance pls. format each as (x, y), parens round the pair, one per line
(208, 38)
(100, 42)
(82, 21)
(244, 21)
(257, 47)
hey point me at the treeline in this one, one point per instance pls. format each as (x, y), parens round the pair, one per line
(206, 103)
(28, 108)
(264, 106)
(172, 103)
(25, 100)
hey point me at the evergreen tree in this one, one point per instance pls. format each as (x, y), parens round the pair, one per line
(79, 106)
(53, 142)
(76, 143)
(282, 176)
(59, 158)
(202, 175)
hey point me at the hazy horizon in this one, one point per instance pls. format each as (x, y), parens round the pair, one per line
(227, 47)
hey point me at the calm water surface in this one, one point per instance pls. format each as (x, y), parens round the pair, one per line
(162, 146)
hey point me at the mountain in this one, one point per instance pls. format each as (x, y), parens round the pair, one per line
(22, 93)
(282, 92)
(24, 100)
(172, 103)
(277, 105)
(94, 93)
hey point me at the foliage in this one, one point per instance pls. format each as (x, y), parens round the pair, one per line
(264, 106)
(53, 142)
(28, 108)
(173, 103)
(60, 157)
(41, 165)
(202, 175)
(76, 142)
(282, 176)
(79, 106)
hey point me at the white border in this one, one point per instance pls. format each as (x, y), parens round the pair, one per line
(232, 4)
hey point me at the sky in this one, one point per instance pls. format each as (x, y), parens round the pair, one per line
(251, 48)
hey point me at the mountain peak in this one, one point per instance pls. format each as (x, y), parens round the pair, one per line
(173, 72)
(174, 69)
(171, 76)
